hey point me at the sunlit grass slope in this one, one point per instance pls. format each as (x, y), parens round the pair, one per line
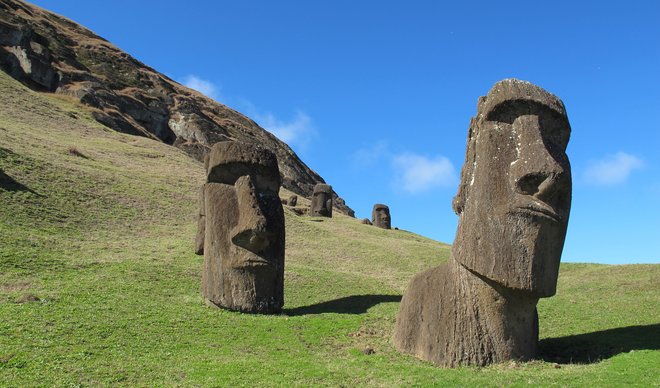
(99, 284)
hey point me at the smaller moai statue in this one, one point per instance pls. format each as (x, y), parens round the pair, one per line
(321, 201)
(293, 200)
(380, 216)
(366, 221)
(241, 229)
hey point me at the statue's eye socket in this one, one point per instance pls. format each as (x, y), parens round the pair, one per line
(229, 173)
(556, 134)
(554, 126)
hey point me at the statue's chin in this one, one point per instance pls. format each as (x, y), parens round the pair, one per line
(526, 253)
(535, 253)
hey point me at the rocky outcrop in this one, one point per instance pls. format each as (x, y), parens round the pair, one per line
(50, 53)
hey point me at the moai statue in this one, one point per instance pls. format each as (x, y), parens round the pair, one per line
(513, 204)
(380, 216)
(243, 229)
(321, 201)
(293, 200)
(366, 221)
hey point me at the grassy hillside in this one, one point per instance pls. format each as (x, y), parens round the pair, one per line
(99, 284)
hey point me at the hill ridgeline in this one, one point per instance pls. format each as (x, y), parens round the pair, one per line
(48, 52)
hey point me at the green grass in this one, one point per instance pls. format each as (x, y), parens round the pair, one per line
(99, 285)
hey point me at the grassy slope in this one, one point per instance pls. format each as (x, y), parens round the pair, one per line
(104, 241)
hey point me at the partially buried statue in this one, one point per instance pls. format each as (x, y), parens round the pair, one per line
(513, 204)
(293, 200)
(241, 229)
(321, 201)
(380, 216)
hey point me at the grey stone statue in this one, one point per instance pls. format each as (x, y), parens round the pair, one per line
(380, 216)
(321, 201)
(293, 200)
(241, 228)
(513, 204)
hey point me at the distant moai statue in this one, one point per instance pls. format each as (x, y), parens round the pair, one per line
(293, 200)
(380, 216)
(321, 201)
(241, 228)
(513, 204)
(366, 221)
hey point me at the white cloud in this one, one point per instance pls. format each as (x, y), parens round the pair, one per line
(203, 86)
(367, 156)
(417, 173)
(613, 169)
(299, 131)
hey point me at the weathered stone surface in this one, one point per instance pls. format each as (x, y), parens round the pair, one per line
(366, 221)
(513, 204)
(293, 200)
(48, 52)
(380, 216)
(321, 201)
(244, 230)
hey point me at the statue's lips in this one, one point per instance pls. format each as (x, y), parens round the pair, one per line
(256, 262)
(247, 259)
(538, 210)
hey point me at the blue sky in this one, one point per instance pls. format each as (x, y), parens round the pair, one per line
(376, 96)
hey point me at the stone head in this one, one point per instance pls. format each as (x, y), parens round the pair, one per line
(321, 201)
(380, 216)
(244, 242)
(515, 192)
(293, 200)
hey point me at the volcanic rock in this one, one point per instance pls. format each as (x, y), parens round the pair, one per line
(50, 53)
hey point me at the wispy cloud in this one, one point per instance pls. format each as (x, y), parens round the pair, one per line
(203, 86)
(417, 173)
(612, 169)
(367, 156)
(299, 131)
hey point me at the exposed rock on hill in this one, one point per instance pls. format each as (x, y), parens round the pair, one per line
(50, 53)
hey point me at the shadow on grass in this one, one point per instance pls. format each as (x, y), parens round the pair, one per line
(593, 347)
(10, 184)
(354, 304)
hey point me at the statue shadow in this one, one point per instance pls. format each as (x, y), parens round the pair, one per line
(354, 304)
(10, 184)
(594, 347)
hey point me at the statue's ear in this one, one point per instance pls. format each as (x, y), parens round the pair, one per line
(458, 203)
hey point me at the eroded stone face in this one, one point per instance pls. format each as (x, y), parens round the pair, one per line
(513, 204)
(293, 200)
(380, 216)
(244, 230)
(321, 201)
(515, 193)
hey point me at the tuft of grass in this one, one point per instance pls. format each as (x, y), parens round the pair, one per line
(75, 152)
(99, 285)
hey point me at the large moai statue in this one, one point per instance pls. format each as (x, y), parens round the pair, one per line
(242, 223)
(380, 216)
(513, 204)
(321, 201)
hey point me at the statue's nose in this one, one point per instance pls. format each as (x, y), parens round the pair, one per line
(537, 172)
(251, 230)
